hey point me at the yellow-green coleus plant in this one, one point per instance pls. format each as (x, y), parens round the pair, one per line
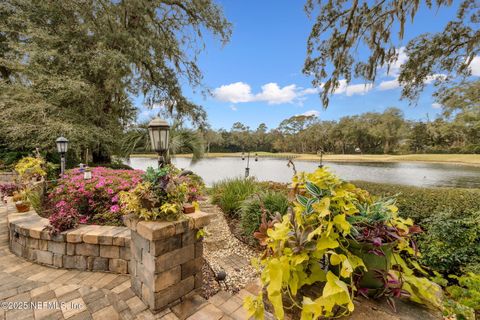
(29, 167)
(133, 202)
(308, 247)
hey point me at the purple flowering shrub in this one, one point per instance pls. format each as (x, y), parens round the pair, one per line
(95, 201)
(8, 189)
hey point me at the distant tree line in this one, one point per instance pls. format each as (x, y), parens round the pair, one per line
(456, 131)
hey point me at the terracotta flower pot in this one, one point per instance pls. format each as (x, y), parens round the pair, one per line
(188, 208)
(22, 206)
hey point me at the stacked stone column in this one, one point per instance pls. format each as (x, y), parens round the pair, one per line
(166, 259)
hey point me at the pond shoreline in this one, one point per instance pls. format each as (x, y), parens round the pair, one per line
(472, 160)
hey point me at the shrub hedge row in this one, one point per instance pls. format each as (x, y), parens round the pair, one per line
(450, 218)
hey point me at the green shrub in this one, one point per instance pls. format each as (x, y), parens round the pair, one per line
(421, 203)
(229, 194)
(451, 242)
(463, 298)
(251, 210)
(116, 165)
(450, 218)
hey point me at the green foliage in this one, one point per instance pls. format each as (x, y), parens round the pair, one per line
(422, 203)
(115, 164)
(9, 158)
(252, 208)
(456, 131)
(342, 26)
(72, 68)
(450, 218)
(463, 299)
(154, 175)
(229, 194)
(311, 247)
(451, 242)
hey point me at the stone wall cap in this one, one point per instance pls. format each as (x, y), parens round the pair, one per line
(31, 224)
(156, 230)
(200, 219)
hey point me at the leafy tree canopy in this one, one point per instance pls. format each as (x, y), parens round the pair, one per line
(341, 26)
(72, 67)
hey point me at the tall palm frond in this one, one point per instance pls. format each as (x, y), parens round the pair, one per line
(182, 140)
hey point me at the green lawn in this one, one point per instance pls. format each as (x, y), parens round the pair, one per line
(466, 159)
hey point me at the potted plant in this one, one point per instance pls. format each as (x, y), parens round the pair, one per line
(21, 202)
(161, 196)
(374, 236)
(337, 241)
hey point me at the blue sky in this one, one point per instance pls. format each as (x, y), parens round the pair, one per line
(257, 77)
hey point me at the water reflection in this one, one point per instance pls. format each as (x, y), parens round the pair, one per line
(406, 173)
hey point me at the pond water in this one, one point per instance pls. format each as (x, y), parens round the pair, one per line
(274, 169)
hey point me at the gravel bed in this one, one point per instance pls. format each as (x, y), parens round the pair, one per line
(224, 252)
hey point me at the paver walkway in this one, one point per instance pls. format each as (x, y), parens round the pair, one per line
(69, 294)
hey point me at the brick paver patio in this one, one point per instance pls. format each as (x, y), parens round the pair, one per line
(72, 294)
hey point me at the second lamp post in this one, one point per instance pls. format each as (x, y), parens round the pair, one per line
(158, 130)
(62, 147)
(247, 168)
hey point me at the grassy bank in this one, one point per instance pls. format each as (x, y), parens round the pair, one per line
(464, 159)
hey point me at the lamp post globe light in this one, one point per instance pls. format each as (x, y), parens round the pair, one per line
(158, 130)
(62, 147)
(320, 153)
(247, 168)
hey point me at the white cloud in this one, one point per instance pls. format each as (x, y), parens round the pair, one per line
(271, 93)
(475, 66)
(436, 105)
(315, 113)
(233, 107)
(352, 89)
(309, 91)
(393, 84)
(388, 85)
(234, 92)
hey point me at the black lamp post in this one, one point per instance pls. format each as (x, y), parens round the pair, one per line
(158, 129)
(320, 153)
(62, 147)
(247, 168)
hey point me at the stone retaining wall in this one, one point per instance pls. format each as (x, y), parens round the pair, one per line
(165, 264)
(7, 177)
(89, 247)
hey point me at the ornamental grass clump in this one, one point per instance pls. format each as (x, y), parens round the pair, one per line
(229, 194)
(251, 210)
(319, 256)
(95, 201)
